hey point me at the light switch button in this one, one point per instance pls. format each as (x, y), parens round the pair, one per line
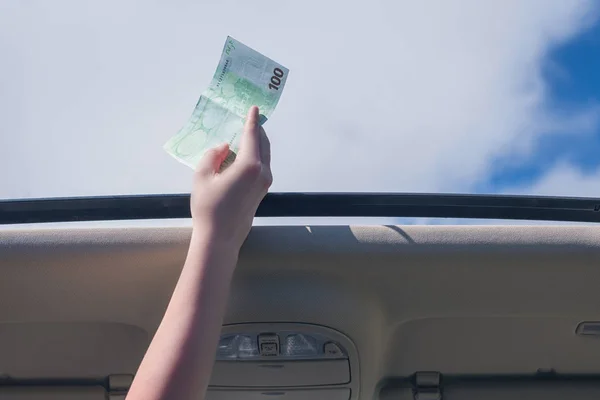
(332, 350)
(268, 343)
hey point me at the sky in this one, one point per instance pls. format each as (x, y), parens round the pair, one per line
(461, 96)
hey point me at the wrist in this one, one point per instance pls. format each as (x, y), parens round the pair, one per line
(207, 241)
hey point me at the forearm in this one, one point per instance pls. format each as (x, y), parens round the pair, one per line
(179, 360)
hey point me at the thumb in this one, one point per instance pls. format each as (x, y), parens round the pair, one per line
(211, 162)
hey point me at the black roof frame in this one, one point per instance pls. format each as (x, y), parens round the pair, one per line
(393, 205)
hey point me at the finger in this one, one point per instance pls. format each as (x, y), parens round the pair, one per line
(265, 148)
(212, 159)
(250, 141)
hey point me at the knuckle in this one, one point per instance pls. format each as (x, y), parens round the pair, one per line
(253, 169)
(268, 179)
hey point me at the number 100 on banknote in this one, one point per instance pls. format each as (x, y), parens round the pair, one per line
(243, 78)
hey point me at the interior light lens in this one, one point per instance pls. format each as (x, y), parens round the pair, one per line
(237, 346)
(300, 345)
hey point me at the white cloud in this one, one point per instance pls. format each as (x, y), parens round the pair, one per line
(382, 96)
(564, 180)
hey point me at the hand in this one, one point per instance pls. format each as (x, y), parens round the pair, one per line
(223, 204)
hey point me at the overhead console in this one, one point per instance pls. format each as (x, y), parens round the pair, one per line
(284, 361)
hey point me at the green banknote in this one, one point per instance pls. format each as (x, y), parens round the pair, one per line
(243, 78)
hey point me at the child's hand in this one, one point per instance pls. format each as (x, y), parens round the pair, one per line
(224, 203)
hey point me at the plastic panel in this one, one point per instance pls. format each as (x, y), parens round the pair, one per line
(318, 394)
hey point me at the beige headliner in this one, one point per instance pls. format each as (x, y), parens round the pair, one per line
(490, 299)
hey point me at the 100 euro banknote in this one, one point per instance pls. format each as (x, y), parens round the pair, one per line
(243, 78)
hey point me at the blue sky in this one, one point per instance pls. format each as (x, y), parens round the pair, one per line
(572, 75)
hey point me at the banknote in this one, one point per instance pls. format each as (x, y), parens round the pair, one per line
(243, 78)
